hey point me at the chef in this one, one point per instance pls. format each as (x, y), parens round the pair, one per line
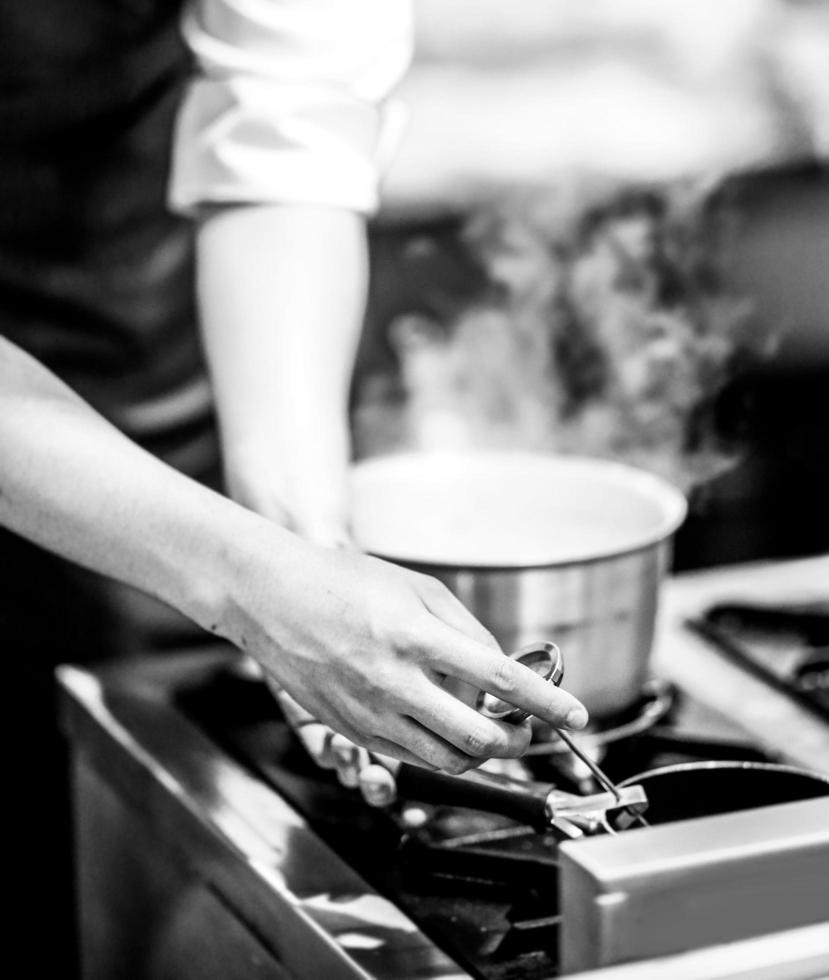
(112, 421)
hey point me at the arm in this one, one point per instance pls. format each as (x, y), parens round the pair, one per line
(70, 482)
(279, 147)
(281, 292)
(278, 152)
(360, 644)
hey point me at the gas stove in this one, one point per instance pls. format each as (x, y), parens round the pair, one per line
(196, 805)
(484, 887)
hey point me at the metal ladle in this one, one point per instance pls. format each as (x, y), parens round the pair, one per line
(545, 659)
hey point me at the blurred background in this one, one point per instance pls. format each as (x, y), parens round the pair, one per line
(606, 231)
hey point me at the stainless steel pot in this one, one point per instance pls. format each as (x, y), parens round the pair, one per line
(665, 795)
(703, 789)
(538, 547)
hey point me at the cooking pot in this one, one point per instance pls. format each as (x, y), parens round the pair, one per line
(538, 547)
(702, 789)
(678, 792)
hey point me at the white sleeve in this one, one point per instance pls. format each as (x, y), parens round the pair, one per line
(290, 101)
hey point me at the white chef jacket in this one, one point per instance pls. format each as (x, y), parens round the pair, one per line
(290, 102)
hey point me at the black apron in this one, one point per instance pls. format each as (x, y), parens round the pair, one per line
(96, 276)
(96, 280)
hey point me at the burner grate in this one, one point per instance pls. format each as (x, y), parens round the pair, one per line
(481, 887)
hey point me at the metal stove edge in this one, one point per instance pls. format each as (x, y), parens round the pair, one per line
(274, 873)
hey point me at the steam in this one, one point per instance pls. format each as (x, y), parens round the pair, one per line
(604, 329)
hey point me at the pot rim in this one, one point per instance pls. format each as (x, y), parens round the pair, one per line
(669, 499)
(680, 767)
(469, 569)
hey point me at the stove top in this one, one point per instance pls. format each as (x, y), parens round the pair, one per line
(195, 803)
(481, 886)
(784, 643)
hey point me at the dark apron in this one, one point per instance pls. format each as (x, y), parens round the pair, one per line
(96, 276)
(96, 280)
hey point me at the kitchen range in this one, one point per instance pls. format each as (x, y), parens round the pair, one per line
(209, 846)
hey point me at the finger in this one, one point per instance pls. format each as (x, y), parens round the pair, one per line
(449, 609)
(455, 655)
(349, 759)
(466, 729)
(390, 754)
(292, 710)
(377, 785)
(425, 746)
(316, 739)
(246, 666)
(314, 735)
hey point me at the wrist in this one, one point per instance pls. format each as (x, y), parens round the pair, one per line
(201, 557)
(241, 555)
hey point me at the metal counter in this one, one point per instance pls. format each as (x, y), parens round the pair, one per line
(191, 867)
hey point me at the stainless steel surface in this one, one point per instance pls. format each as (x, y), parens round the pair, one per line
(592, 814)
(693, 884)
(191, 863)
(536, 547)
(773, 720)
(701, 789)
(791, 954)
(602, 614)
(165, 816)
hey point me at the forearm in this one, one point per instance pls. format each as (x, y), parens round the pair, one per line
(360, 645)
(72, 483)
(282, 295)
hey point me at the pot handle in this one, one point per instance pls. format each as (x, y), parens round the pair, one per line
(520, 800)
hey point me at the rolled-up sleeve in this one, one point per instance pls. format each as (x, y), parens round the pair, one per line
(290, 101)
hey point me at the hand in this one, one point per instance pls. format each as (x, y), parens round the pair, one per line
(314, 506)
(364, 647)
(355, 767)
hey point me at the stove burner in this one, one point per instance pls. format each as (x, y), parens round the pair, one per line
(786, 645)
(615, 738)
(657, 699)
(482, 887)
